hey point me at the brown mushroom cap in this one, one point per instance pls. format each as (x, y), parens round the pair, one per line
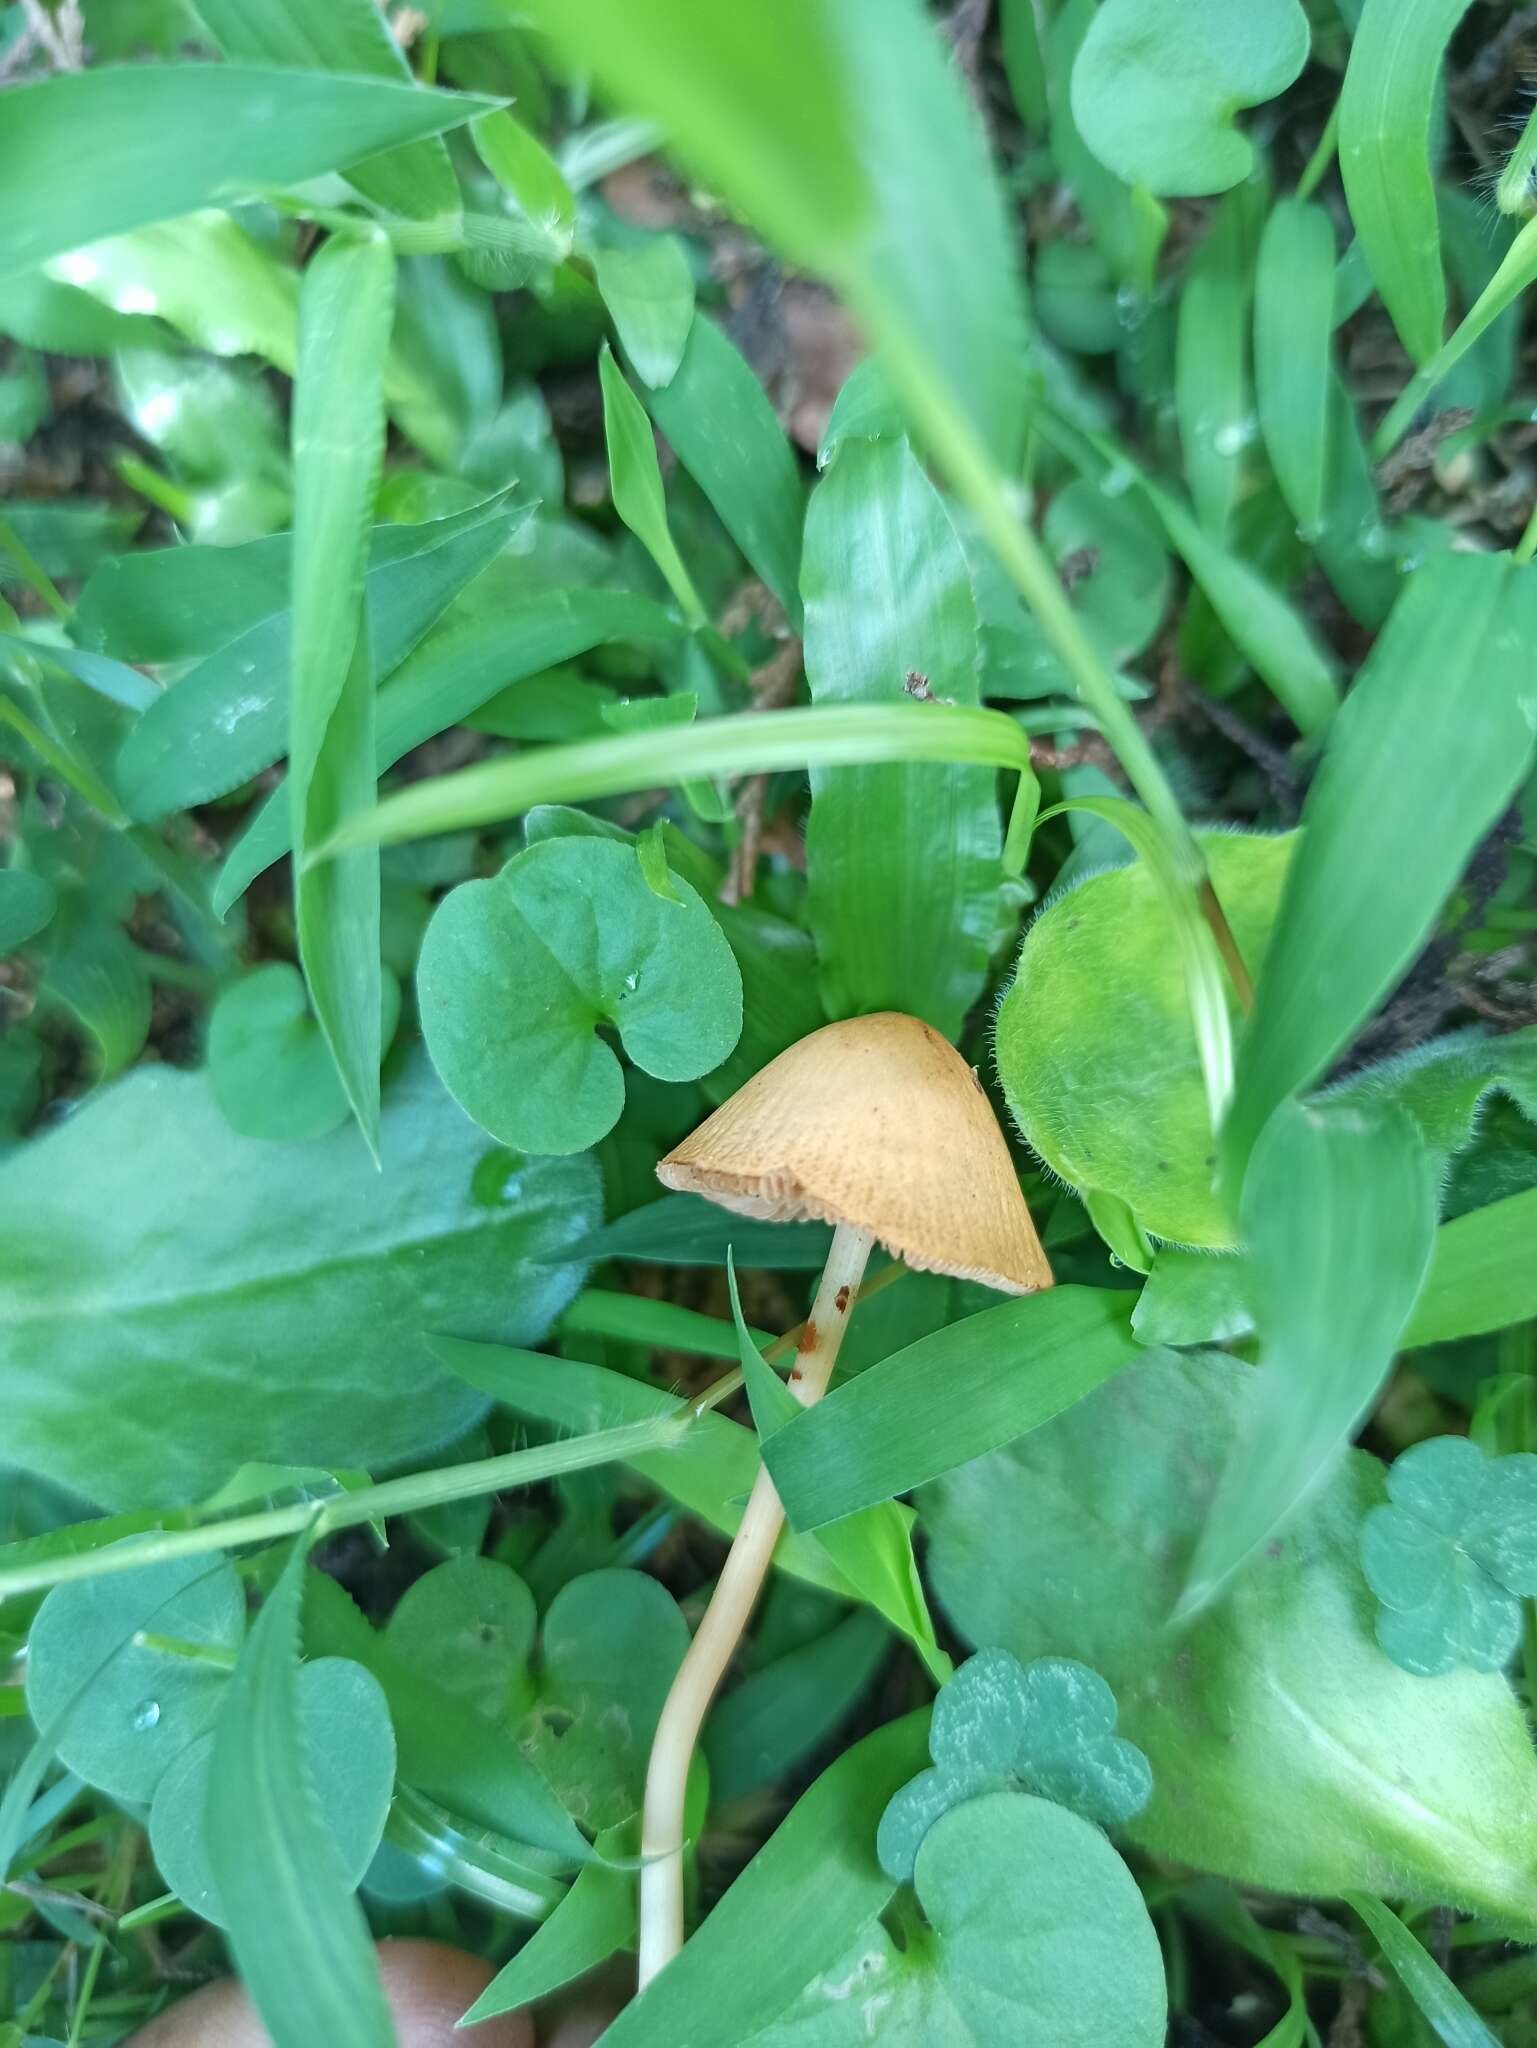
(876, 1122)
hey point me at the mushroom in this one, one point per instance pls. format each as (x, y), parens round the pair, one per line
(427, 1984)
(877, 1126)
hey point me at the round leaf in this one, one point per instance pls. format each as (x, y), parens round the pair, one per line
(350, 1749)
(1096, 1050)
(613, 1641)
(518, 974)
(471, 1623)
(1157, 82)
(120, 1709)
(271, 1069)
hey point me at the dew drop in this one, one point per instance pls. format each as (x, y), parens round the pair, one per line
(146, 1716)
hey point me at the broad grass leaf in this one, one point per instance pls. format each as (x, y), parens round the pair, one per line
(248, 1277)
(1287, 1751)
(182, 136)
(100, 977)
(526, 171)
(636, 481)
(268, 1065)
(1002, 1372)
(1096, 1050)
(595, 1920)
(1157, 83)
(686, 1230)
(904, 861)
(228, 718)
(1386, 109)
(1450, 2018)
(783, 1712)
(454, 669)
(345, 312)
(1332, 1192)
(350, 1753)
(1036, 1931)
(815, 1882)
(1482, 1273)
(1435, 738)
(299, 1938)
(27, 902)
(719, 423)
(1293, 333)
(118, 1710)
(648, 288)
(517, 973)
(416, 179)
(1213, 403)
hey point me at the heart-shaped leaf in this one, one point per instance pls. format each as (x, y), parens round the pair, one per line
(1096, 1050)
(350, 1749)
(471, 1623)
(518, 973)
(271, 1070)
(1451, 1554)
(1157, 83)
(1047, 1727)
(1039, 1934)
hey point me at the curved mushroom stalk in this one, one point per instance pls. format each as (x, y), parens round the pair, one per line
(877, 1126)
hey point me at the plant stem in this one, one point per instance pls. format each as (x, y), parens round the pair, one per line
(1322, 156)
(30, 570)
(725, 1619)
(1526, 546)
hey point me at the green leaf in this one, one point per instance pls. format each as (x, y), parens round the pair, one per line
(1046, 1728)
(228, 718)
(1293, 331)
(27, 902)
(786, 1711)
(1211, 369)
(1482, 1274)
(1096, 1050)
(1158, 82)
(119, 1709)
(349, 1752)
(1433, 741)
(269, 1068)
(710, 1472)
(524, 168)
(1287, 1750)
(518, 972)
(248, 1277)
(102, 979)
(1386, 107)
(815, 1882)
(1452, 1555)
(446, 1749)
(948, 1398)
(1452, 2020)
(183, 136)
(593, 1921)
(648, 288)
(455, 669)
(687, 1230)
(299, 1939)
(1079, 1966)
(471, 1623)
(719, 423)
(636, 479)
(345, 313)
(903, 861)
(350, 36)
(1333, 1192)
(1128, 226)
(612, 1644)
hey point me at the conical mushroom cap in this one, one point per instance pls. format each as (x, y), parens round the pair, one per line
(877, 1122)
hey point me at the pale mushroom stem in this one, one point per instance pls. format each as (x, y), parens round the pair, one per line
(725, 1619)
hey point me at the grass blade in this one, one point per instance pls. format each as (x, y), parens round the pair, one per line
(1482, 1275)
(1451, 2019)
(1333, 1193)
(345, 316)
(636, 482)
(1211, 385)
(1429, 747)
(182, 136)
(954, 1395)
(903, 858)
(299, 1937)
(1293, 328)
(1385, 115)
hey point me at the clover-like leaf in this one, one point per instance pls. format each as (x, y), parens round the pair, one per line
(1157, 83)
(268, 1063)
(519, 973)
(1451, 1555)
(1096, 1050)
(1039, 1934)
(1047, 1727)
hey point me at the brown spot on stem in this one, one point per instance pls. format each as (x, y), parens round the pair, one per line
(842, 1300)
(808, 1340)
